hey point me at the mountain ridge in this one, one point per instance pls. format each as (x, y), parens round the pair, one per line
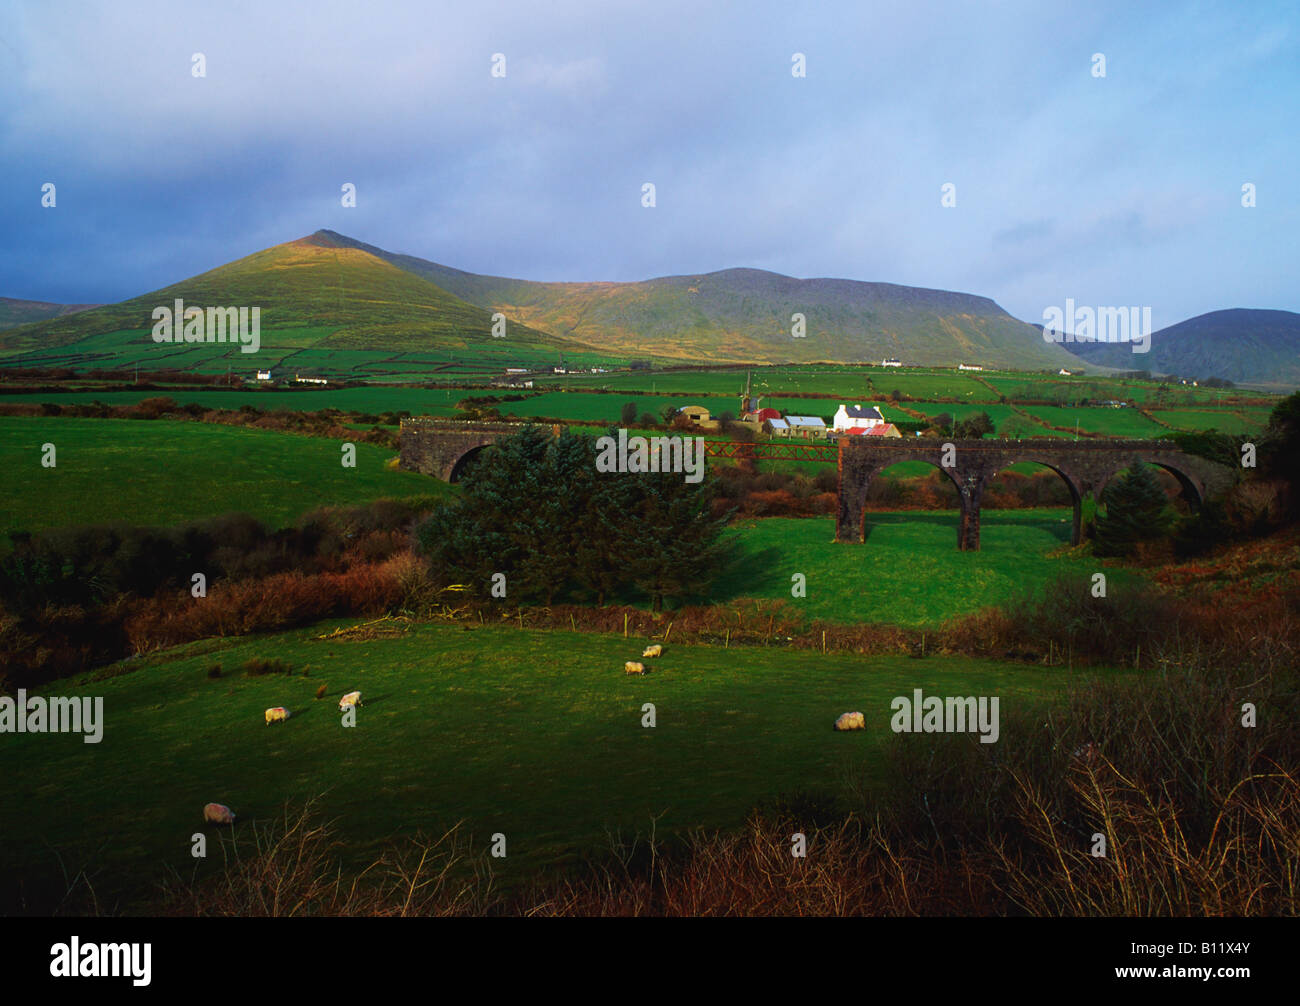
(744, 314)
(1243, 345)
(15, 311)
(328, 291)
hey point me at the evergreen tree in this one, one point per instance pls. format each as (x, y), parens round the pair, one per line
(484, 532)
(1280, 449)
(538, 510)
(674, 546)
(601, 553)
(1137, 510)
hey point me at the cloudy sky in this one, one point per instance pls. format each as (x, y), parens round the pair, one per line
(1117, 190)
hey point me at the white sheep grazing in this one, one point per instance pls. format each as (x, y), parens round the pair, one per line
(218, 813)
(633, 667)
(276, 714)
(851, 721)
(653, 651)
(349, 700)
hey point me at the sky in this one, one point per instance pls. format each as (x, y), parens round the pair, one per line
(1117, 190)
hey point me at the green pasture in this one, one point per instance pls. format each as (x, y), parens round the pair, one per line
(164, 472)
(907, 572)
(535, 735)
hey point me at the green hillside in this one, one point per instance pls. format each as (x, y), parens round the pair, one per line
(326, 298)
(312, 296)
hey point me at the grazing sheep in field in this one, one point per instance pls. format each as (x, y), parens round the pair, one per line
(218, 813)
(653, 651)
(851, 721)
(633, 667)
(349, 700)
(276, 714)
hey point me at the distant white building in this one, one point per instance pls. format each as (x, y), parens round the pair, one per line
(850, 416)
(263, 375)
(962, 366)
(308, 380)
(891, 363)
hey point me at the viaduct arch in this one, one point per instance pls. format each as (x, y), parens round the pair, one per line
(441, 447)
(1085, 467)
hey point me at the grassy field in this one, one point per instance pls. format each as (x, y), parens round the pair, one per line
(1232, 421)
(908, 572)
(605, 408)
(864, 383)
(536, 735)
(851, 382)
(162, 472)
(1110, 422)
(417, 401)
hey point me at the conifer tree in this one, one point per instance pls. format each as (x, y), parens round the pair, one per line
(538, 510)
(1137, 510)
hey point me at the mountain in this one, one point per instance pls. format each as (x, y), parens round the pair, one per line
(744, 315)
(1243, 345)
(312, 293)
(20, 312)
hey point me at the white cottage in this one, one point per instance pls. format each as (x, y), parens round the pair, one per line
(850, 416)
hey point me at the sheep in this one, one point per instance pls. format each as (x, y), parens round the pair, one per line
(276, 714)
(349, 700)
(851, 721)
(218, 813)
(653, 651)
(633, 667)
(1086, 753)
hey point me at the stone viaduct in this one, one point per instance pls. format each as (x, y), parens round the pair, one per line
(442, 447)
(1085, 466)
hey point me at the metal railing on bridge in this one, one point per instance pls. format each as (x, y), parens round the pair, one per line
(771, 451)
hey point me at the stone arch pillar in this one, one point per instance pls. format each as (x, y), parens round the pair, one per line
(856, 470)
(970, 492)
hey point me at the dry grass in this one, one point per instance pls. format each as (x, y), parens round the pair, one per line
(291, 868)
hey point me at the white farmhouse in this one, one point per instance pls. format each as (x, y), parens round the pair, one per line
(850, 416)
